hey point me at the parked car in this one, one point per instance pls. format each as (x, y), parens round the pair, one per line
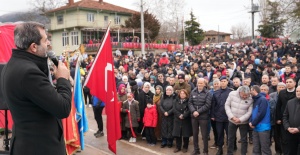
(222, 44)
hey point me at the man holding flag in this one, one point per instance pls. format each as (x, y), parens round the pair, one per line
(101, 81)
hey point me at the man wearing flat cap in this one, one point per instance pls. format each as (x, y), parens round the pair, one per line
(182, 84)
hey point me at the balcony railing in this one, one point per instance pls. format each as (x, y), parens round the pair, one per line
(132, 45)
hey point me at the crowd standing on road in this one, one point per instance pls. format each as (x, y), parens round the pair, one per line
(252, 87)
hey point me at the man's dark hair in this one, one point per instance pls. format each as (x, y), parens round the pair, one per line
(27, 33)
(288, 78)
(256, 88)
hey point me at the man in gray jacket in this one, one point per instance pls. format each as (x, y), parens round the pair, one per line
(199, 105)
(238, 108)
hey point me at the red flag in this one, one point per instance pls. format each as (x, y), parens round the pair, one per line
(71, 131)
(102, 84)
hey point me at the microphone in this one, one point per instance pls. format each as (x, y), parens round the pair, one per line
(53, 58)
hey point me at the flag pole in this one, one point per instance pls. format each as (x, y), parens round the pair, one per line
(98, 53)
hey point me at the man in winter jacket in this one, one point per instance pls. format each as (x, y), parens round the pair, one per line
(182, 84)
(163, 61)
(238, 108)
(218, 113)
(199, 105)
(36, 106)
(291, 123)
(260, 122)
(283, 97)
(276, 127)
(288, 73)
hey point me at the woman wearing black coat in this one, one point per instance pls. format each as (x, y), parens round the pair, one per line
(166, 107)
(182, 121)
(141, 98)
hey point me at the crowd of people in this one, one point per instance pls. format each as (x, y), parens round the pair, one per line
(252, 88)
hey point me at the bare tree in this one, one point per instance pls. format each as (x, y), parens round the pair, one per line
(263, 11)
(43, 6)
(233, 32)
(170, 14)
(239, 31)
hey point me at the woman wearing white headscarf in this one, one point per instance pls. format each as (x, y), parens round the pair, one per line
(166, 107)
(141, 98)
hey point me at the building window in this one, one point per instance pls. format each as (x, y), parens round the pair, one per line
(105, 21)
(60, 19)
(65, 38)
(90, 17)
(117, 20)
(74, 38)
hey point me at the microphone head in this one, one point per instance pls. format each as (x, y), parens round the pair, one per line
(52, 56)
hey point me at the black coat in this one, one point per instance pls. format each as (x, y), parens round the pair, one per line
(201, 102)
(182, 127)
(36, 106)
(291, 114)
(218, 105)
(166, 105)
(141, 98)
(283, 97)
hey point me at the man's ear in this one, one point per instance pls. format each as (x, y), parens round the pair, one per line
(33, 48)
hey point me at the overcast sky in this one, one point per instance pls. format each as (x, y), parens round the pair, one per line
(209, 13)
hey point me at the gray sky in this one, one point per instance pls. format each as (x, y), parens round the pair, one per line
(209, 13)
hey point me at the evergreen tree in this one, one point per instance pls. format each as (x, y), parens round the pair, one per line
(150, 23)
(193, 32)
(273, 25)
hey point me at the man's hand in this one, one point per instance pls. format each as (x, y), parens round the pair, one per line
(195, 114)
(250, 124)
(278, 121)
(293, 130)
(61, 71)
(213, 119)
(237, 120)
(166, 114)
(181, 116)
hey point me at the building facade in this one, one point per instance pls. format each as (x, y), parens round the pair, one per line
(84, 22)
(212, 36)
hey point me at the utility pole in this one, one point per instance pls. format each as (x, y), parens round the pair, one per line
(142, 30)
(254, 9)
(218, 34)
(183, 28)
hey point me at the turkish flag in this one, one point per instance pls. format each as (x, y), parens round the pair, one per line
(102, 84)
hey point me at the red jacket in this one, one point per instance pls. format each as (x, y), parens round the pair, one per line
(150, 117)
(163, 61)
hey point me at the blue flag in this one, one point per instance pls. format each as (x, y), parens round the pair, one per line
(81, 118)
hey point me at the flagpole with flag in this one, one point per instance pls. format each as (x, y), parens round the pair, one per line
(102, 84)
(81, 117)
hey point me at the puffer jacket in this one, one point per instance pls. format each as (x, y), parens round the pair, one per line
(218, 105)
(150, 117)
(201, 102)
(235, 106)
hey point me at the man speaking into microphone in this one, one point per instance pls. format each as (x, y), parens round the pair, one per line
(36, 106)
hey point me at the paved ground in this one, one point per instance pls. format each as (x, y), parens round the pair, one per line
(98, 146)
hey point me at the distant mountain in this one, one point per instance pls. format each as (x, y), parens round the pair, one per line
(24, 16)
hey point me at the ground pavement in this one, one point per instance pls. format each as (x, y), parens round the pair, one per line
(99, 146)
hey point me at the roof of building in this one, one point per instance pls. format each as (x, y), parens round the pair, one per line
(93, 4)
(214, 33)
